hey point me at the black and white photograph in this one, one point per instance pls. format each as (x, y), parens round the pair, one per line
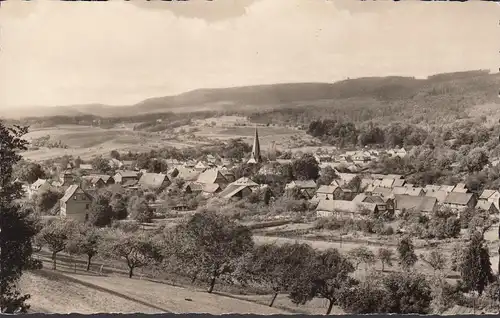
(313, 157)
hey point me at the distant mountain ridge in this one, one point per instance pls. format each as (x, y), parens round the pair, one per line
(275, 96)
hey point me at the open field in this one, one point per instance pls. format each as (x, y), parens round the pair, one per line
(87, 142)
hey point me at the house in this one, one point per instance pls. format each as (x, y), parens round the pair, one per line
(86, 167)
(212, 176)
(459, 201)
(329, 192)
(154, 181)
(492, 196)
(128, 164)
(200, 166)
(422, 204)
(440, 195)
(343, 208)
(345, 178)
(383, 192)
(66, 179)
(75, 204)
(187, 174)
(460, 188)
(192, 187)
(126, 175)
(93, 181)
(488, 206)
(307, 188)
(233, 191)
(387, 183)
(446, 188)
(415, 191)
(399, 182)
(431, 188)
(382, 205)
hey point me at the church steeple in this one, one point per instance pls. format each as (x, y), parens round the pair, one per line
(255, 157)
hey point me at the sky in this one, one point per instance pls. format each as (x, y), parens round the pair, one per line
(118, 53)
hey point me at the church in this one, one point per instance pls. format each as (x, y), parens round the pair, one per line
(255, 157)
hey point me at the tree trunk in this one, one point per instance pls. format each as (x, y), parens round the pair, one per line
(194, 278)
(130, 272)
(88, 262)
(330, 306)
(212, 284)
(272, 300)
(54, 254)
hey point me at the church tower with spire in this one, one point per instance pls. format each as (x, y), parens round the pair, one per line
(255, 157)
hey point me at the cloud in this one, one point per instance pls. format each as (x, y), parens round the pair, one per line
(57, 53)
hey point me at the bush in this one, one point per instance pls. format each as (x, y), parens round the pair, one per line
(126, 225)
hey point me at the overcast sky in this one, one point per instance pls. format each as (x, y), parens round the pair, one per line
(117, 52)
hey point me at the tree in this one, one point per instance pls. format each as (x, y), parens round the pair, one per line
(29, 172)
(406, 293)
(277, 267)
(327, 175)
(475, 160)
(17, 225)
(55, 235)
(119, 206)
(435, 259)
(361, 255)
(306, 167)
(46, 199)
(102, 165)
(219, 242)
(86, 242)
(115, 154)
(138, 250)
(101, 213)
(406, 251)
(139, 209)
(327, 276)
(385, 255)
(475, 269)
(78, 161)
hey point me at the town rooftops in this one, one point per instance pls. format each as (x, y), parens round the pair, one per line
(231, 190)
(486, 194)
(327, 189)
(302, 184)
(244, 181)
(128, 174)
(415, 203)
(440, 195)
(344, 206)
(458, 198)
(210, 176)
(154, 180)
(70, 191)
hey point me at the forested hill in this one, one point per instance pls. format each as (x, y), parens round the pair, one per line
(444, 96)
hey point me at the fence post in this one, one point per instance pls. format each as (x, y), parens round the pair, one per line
(100, 270)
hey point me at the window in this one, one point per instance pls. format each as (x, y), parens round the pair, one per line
(86, 206)
(86, 217)
(75, 197)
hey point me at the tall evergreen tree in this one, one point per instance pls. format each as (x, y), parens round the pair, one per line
(475, 268)
(17, 227)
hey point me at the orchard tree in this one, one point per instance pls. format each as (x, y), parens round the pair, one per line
(475, 269)
(327, 276)
(360, 255)
(306, 167)
(115, 154)
(56, 234)
(406, 293)
(85, 242)
(138, 250)
(29, 172)
(406, 251)
(46, 199)
(278, 267)
(139, 209)
(385, 256)
(102, 165)
(17, 225)
(119, 206)
(219, 242)
(435, 259)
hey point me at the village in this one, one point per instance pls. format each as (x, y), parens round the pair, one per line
(214, 177)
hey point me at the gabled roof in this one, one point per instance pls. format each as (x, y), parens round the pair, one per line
(38, 183)
(439, 195)
(446, 188)
(431, 187)
(415, 191)
(486, 194)
(154, 180)
(415, 203)
(187, 174)
(360, 197)
(400, 190)
(70, 191)
(344, 206)
(210, 187)
(246, 182)
(128, 174)
(231, 190)
(210, 176)
(458, 198)
(386, 192)
(460, 188)
(347, 177)
(395, 176)
(86, 166)
(387, 182)
(194, 186)
(485, 205)
(398, 182)
(302, 184)
(327, 189)
(130, 183)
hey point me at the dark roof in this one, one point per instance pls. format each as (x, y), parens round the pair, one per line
(415, 203)
(458, 198)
